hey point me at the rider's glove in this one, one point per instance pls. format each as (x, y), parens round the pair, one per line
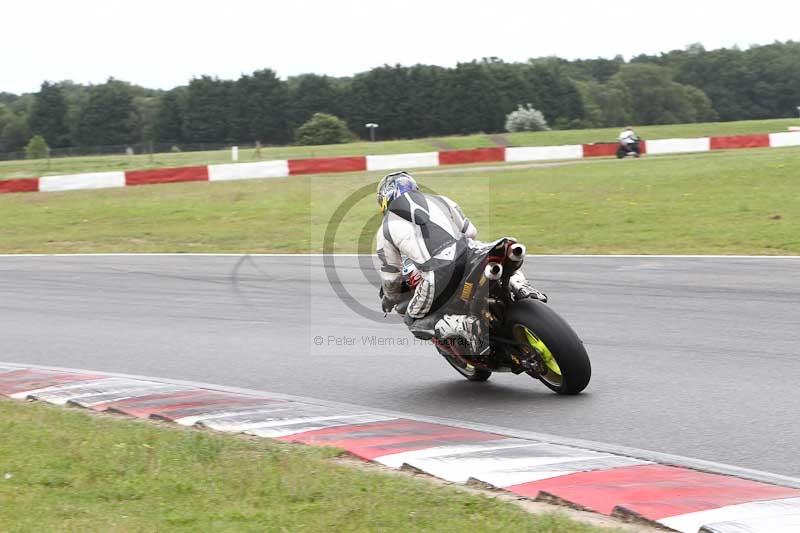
(388, 303)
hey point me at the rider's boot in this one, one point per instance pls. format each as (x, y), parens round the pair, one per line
(422, 328)
(522, 288)
(465, 327)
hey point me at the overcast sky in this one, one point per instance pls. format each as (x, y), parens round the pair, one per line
(162, 44)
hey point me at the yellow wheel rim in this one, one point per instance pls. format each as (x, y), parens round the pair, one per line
(547, 356)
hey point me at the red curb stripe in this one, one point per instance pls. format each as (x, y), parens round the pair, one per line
(475, 155)
(322, 165)
(19, 185)
(166, 175)
(652, 491)
(600, 149)
(204, 406)
(375, 439)
(607, 149)
(18, 381)
(144, 406)
(739, 141)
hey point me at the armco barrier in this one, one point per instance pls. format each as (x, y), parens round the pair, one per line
(326, 165)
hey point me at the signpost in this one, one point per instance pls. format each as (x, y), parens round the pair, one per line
(371, 126)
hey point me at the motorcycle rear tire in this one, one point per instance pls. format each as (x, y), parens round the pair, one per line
(472, 373)
(559, 338)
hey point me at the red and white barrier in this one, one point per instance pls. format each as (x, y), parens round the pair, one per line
(400, 161)
(678, 146)
(678, 498)
(544, 153)
(328, 165)
(244, 171)
(787, 138)
(94, 180)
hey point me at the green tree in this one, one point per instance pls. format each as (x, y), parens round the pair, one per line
(655, 98)
(473, 103)
(323, 129)
(168, 125)
(109, 116)
(76, 96)
(36, 148)
(259, 109)
(48, 116)
(554, 92)
(206, 117)
(724, 76)
(309, 94)
(146, 112)
(607, 104)
(382, 96)
(15, 134)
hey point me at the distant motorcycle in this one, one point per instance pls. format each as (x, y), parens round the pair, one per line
(627, 149)
(525, 336)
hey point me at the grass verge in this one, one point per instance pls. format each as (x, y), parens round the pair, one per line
(71, 471)
(727, 202)
(70, 165)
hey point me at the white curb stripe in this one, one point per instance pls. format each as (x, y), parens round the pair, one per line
(71, 182)
(125, 394)
(767, 524)
(61, 394)
(245, 171)
(544, 153)
(23, 395)
(282, 411)
(780, 140)
(506, 477)
(678, 146)
(302, 425)
(516, 465)
(396, 460)
(402, 161)
(745, 517)
(242, 413)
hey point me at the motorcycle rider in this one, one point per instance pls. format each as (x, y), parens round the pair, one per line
(629, 140)
(433, 234)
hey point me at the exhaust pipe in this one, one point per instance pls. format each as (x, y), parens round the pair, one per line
(516, 252)
(493, 271)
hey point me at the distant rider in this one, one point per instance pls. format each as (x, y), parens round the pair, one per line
(434, 235)
(629, 140)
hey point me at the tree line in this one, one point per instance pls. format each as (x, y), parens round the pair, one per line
(690, 85)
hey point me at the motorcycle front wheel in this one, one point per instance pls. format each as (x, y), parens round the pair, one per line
(564, 363)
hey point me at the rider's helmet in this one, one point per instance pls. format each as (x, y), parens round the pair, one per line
(393, 185)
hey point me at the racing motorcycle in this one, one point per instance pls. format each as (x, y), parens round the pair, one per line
(525, 336)
(632, 148)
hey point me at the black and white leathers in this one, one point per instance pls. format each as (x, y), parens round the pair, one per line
(433, 233)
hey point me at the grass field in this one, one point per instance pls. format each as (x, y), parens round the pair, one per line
(69, 471)
(69, 165)
(726, 202)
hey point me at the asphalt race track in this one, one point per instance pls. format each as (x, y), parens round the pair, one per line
(691, 356)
